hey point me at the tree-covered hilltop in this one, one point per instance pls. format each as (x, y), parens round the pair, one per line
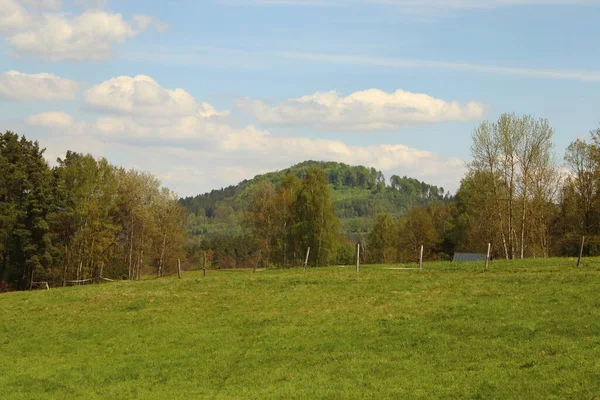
(359, 194)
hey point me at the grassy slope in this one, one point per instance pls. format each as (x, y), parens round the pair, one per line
(450, 332)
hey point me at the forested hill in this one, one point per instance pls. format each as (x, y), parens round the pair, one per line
(360, 193)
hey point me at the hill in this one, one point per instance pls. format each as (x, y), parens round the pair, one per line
(360, 193)
(525, 329)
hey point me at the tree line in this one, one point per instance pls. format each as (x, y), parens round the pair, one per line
(358, 193)
(84, 216)
(514, 195)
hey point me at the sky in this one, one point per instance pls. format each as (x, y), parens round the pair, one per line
(206, 93)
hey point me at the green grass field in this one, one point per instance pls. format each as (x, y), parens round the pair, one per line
(524, 330)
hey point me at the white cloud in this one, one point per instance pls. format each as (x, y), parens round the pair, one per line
(90, 35)
(143, 22)
(188, 145)
(364, 110)
(13, 16)
(183, 141)
(206, 155)
(210, 156)
(23, 87)
(143, 96)
(44, 29)
(51, 120)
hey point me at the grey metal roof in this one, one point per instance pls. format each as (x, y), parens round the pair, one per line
(468, 257)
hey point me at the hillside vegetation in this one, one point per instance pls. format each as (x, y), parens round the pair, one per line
(359, 194)
(525, 329)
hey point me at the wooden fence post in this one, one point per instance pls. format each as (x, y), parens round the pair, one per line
(357, 256)
(31, 284)
(421, 258)
(580, 251)
(487, 257)
(204, 266)
(179, 268)
(306, 260)
(101, 269)
(257, 261)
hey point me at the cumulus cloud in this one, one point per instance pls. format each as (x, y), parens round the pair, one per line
(19, 86)
(211, 155)
(13, 16)
(366, 110)
(90, 35)
(192, 144)
(43, 29)
(51, 120)
(193, 149)
(143, 96)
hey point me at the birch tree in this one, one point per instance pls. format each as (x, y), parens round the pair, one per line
(513, 151)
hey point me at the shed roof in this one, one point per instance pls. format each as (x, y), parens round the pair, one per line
(468, 257)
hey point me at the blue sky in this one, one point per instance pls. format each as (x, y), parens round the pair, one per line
(206, 93)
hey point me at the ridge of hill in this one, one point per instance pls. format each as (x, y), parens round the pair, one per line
(359, 193)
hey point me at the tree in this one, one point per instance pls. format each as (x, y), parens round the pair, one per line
(383, 240)
(285, 201)
(416, 229)
(513, 151)
(579, 159)
(262, 217)
(317, 226)
(25, 202)
(167, 231)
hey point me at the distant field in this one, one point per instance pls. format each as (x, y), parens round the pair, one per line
(523, 330)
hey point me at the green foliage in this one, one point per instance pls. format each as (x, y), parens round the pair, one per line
(316, 225)
(285, 222)
(357, 195)
(357, 192)
(525, 329)
(80, 218)
(25, 202)
(383, 240)
(514, 156)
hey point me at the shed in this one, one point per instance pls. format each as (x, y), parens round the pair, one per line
(468, 257)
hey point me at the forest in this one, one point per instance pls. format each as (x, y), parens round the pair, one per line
(517, 195)
(81, 220)
(84, 220)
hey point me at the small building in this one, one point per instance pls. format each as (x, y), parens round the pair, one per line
(468, 257)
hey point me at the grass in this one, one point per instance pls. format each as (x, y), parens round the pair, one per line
(524, 329)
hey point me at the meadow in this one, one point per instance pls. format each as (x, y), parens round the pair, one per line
(523, 329)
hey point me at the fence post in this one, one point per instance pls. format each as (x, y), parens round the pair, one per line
(306, 260)
(580, 251)
(204, 266)
(257, 261)
(101, 269)
(179, 268)
(31, 284)
(421, 258)
(357, 256)
(487, 257)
